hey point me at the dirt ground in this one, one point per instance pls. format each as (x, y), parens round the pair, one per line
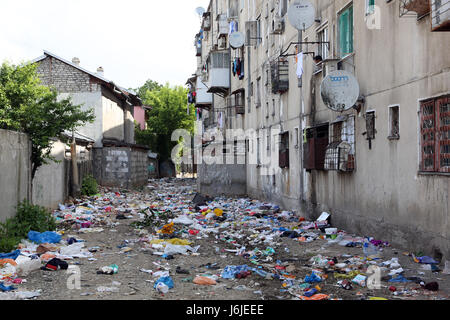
(133, 284)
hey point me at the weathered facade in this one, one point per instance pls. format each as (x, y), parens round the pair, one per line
(114, 123)
(392, 181)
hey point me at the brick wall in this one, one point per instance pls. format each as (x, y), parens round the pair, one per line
(64, 78)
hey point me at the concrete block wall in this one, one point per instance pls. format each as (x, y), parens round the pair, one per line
(122, 167)
(15, 171)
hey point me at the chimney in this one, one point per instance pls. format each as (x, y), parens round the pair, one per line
(100, 71)
(76, 61)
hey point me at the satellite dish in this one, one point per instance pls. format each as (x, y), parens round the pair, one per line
(236, 39)
(339, 90)
(200, 11)
(301, 14)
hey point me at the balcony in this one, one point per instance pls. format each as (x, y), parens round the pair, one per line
(206, 24)
(219, 72)
(236, 103)
(440, 15)
(280, 75)
(203, 98)
(198, 45)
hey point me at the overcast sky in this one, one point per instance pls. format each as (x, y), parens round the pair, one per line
(132, 40)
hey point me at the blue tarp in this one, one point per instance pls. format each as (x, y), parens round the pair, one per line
(45, 237)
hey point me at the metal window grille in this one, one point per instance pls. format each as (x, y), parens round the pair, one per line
(280, 75)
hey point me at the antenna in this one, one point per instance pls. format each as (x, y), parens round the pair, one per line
(339, 90)
(237, 39)
(301, 15)
(200, 11)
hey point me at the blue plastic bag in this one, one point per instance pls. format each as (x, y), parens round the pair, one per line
(6, 289)
(166, 280)
(313, 278)
(230, 272)
(12, 255)
(45, 237)
(427, 260)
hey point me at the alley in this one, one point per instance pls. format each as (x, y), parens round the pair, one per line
(243, 249)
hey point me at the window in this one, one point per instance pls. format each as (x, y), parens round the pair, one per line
(346, 32)
(370, 6)
(435, 135)
(296, 138)
(340, 153)
(370, 125)
(283, 7)
(284, 150)
(258, 151)
(322, 36)
(273, 107)
(258, 92)
(394, 123)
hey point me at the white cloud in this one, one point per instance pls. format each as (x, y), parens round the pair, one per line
(132, 40)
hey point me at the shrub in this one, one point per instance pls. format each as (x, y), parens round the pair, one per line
(89, 186)
(28, 218)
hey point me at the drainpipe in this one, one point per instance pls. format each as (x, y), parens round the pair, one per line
(300, 84)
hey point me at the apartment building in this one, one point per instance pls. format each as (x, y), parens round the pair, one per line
(381, 167)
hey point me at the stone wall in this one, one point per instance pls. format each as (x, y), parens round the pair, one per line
(15, 171)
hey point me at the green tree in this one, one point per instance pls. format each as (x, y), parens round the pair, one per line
(168, 113)
(29, 107)
(149, 85)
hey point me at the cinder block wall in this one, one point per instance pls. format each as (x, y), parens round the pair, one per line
(122, 167)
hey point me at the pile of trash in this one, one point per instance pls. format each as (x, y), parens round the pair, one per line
(170, 219)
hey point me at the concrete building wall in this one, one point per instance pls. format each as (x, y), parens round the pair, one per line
(49, 184)
(387, 196)
(113, 117)
(15, 171)
(400, 63)
(89, 100)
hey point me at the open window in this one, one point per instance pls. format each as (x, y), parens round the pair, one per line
(340, 152)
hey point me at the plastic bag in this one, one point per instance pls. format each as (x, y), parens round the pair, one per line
(165, 280)
(45, 237)
(204, 281)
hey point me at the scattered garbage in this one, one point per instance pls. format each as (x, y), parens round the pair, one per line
(109, 270)
(262, 239)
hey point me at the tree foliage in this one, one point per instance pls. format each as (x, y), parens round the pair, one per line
(168, 113)
(29, 107)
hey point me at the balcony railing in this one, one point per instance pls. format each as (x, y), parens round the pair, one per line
(412, 7)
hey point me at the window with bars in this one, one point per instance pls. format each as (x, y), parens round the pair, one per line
(340, 152)
(435, 135)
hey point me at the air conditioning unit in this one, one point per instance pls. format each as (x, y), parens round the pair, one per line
(278, 25)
